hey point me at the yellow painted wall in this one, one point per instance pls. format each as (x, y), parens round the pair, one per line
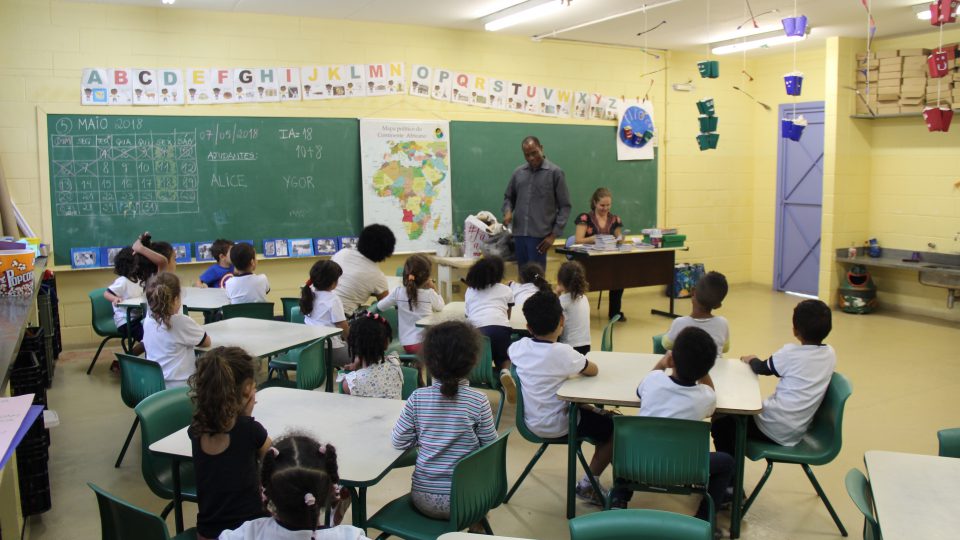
(44, 45)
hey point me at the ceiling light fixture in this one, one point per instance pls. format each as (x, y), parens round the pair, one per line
(521, 13)
(748, 45)
(922, 11)
(645, 7)
(167, 2)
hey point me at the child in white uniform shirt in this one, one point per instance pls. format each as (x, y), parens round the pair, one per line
(531, 280)
(245, 287)
(417, 298)
(488, 304)
(321, 307)
(543, 364)
(572, 287)
(708, 294)
(686, 394)
(123, 288)
(804, 370)
(169, 336)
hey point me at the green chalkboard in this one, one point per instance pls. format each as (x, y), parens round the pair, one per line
(483, 155)
(196, 178)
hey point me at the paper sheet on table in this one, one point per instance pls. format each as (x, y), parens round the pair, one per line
(13, 412)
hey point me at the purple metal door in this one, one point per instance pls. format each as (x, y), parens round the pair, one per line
(799, 203)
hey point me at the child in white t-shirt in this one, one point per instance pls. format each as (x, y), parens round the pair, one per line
(245, 287)
(542, 365)
(169, 336)
(488, 304)
(123, 288)
(686, 394)
(804, 370)
(321, 307)
(362, 277)
(708, 295)
(572, 287)
(531, 280)
(416, 299)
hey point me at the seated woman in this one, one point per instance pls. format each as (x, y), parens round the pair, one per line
(600, 221)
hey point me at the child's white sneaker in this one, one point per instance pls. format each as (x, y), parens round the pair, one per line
(509, 385)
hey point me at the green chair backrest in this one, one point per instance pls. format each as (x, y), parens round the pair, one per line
(858, 487)
(296, 316)
(949, 442)
(824, 438)
(639, 524)
(482, 376)
(102, 314)
(251, 310)
(479, 483)
(520, 422)
(606, 341)
(661, 452)
(399, 271)
(160, 415)
(658, 347)
(311, 365)
(409, 381)
(120, 520)
(139, 378)
(287, 304)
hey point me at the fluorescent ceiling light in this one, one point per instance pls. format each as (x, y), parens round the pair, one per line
(747, 31)
(167, 2)
(756, 44)
(922, 11)
(521, 13)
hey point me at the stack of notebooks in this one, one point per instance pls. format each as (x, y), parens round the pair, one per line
(605, 242)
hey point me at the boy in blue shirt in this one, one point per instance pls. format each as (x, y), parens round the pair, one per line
(211, 277)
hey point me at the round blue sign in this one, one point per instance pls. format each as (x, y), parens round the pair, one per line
(636, 127)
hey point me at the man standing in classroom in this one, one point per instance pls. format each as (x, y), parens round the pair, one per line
(537, 203)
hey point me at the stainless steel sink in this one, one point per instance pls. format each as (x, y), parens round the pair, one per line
(933, 276)
(927, 266)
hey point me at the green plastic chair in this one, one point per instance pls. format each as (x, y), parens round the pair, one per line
(310, 363)
(858, 487)
(639, 525)
(102, 318)
(532, 437)
(161, 414)
(949, 442)
(606, 342)
(664, 455)
(482, 376)
(139, 378)
(296, 316)
(658, 347)
(479, 483)
(399, 271)
(820, 444)
(120, 520)
(287, 304)
(409, 381)
(250, 310)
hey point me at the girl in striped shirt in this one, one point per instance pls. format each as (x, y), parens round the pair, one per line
(448, 419)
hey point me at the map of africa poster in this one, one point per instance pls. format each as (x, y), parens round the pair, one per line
(406, 180)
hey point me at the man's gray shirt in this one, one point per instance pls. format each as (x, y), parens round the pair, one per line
(539, 200)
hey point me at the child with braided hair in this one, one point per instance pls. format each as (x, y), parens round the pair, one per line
(226, 441)
(373, 373)
(169, 336)
(414, 300)
(299, 479)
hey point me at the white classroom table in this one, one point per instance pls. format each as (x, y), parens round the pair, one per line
(194, 299)
(737, 389)
(449, 270)
(916, 496)
(471, 536)
(456, 311)
(364, 451)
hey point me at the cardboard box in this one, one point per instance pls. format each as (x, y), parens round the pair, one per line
(904, 109)
(911, 92)
(862, 108)
(890, 75)
(889, 53)
(888, 94)
(912, 101)
(865, 55)
(914, 81)
(914, 52)
(873, 75)
(915, 62)
(913, 73)
(883, 110)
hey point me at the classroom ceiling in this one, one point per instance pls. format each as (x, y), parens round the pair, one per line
(691, 24)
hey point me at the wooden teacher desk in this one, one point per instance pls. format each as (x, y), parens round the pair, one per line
(916, 496)
(738, 394)
(359, 428)
(611, 270)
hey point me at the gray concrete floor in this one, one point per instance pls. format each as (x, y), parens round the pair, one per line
(904, 370)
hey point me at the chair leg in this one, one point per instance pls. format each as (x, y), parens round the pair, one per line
(756, 490)
(383, 535)
(126, 443)
(823, 497)
(486, 526)
(102, 343)
(599, 299)
(496, 421)
(526, 471)
(166, 510)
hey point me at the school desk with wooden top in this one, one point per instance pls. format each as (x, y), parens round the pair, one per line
(262, 338)
(456, 311)
(626, 268)
(448, 272)
(916, 496)
(358, 427)
(738, 394)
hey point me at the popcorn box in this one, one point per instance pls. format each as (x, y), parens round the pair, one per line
(16, 272)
